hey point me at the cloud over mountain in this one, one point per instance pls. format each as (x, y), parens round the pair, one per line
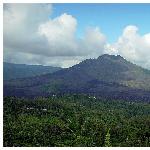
(33, 36)
(29, 32)
(132, 46)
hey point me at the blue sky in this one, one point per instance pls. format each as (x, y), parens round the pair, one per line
(110, 18)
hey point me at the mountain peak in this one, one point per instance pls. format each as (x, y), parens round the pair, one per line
(114, 57)
(109, 75)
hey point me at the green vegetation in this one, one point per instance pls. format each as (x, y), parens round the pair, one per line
(75, 120)
(107, 139)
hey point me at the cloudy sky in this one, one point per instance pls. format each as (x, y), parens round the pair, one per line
(65, 34)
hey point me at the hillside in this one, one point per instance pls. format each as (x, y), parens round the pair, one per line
(107, 76)
(15, 71)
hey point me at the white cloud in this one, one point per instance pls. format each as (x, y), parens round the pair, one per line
(24, 17)
(60, 34)
(132, 46)
(28, 58)
(94, 41)
(20, 26)
(29, 31)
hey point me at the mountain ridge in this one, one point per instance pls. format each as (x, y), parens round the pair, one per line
(15, 71)
(107, 76)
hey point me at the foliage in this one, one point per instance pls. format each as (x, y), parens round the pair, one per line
(75, 120)
(107, 139)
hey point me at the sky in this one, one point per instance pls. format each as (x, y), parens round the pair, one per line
(111, 18)
(66, 34)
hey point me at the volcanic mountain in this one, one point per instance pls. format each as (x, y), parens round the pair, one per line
(108, 76)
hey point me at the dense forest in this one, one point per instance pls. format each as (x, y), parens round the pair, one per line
(75, 120)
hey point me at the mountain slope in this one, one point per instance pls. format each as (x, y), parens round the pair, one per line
(107, 76)
(14, 71)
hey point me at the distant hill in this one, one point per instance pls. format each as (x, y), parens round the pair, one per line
(107, 76)
(14, 71)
